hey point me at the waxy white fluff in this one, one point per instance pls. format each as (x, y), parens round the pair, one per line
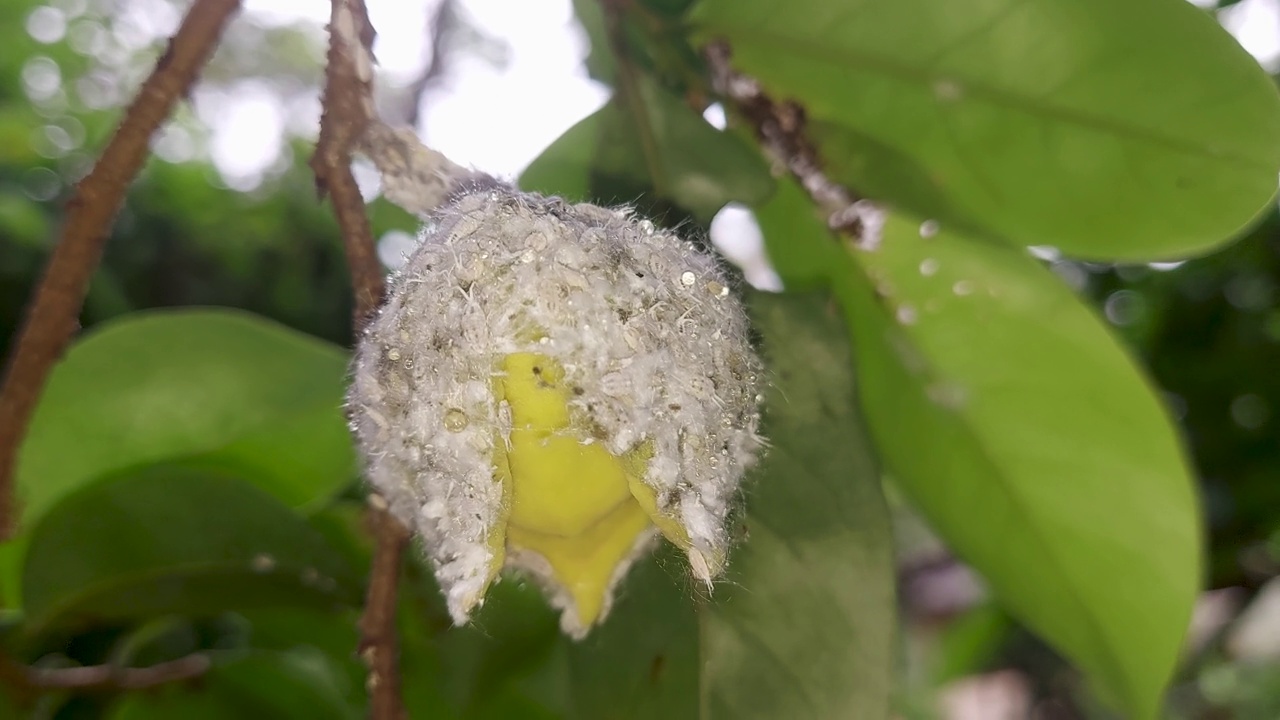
(650, 337)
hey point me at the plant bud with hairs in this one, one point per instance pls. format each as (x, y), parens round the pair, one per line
(549, 388)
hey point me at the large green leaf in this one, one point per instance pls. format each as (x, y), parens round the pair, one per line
(512, 637)
(804, 625)
(1024, 433)
(175, 540)
(214, 388)
(1113, 130)
(643, 662)
(662, 145)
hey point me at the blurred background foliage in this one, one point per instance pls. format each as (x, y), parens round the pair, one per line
(193, 234)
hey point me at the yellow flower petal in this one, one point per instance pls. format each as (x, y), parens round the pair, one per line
(572, 500)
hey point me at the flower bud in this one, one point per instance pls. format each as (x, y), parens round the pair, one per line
(548, 388)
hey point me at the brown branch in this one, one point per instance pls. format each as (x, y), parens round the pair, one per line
(114, 677)
(443, 21)
(378, 640)
(27, 682)
(51, 316)
(780, 128)
(348, 112)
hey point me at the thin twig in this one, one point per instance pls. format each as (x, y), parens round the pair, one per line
(780, 127)
(27, 682)
(114, 677)
(51, 316)
(348, 112)
(443, 21)
(378, 640)
(414, 176)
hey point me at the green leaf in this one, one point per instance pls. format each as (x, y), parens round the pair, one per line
(308, 631)
(213, 388)
(643, 662)
(175, 540)
(1025, 435)
(805, 623)
(263, 685)
(599, 61)
(1041, 121)
(663, 147)
(493, 662)
(969, 644)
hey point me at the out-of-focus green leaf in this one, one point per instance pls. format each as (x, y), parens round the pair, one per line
(175, 540)
(509, 661)
(805, 624)
(643, 661)
(1042, 121)
(599, 60)
(307, 631)
(663, 145)
(1025, 435)
(968, 644)
(213, 388)
(263, 685)
(509, 639)
(22, 220)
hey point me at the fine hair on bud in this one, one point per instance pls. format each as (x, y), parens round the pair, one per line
(550, 388)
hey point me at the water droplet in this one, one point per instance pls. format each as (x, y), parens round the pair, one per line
(1250, 411)
(906, 315)
(263, 563)
(717, 289)
(455, 420)
(393, 354)
(947, 394)
(1166, 266)
(928, 267)
(962, 288)
(1045, 252)
(687, 278)
(1249, 291)
(646, 227)
(1124, 307)
(948, 90)
(527, 257)
(929, 228)
(1071, 273)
